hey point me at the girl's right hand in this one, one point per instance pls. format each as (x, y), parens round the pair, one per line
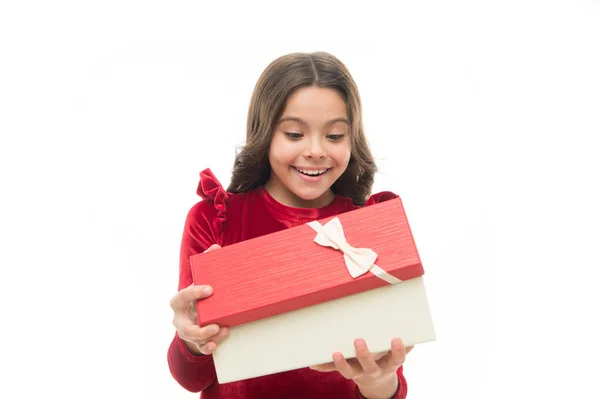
(198, 340)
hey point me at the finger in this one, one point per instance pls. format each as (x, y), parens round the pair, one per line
(364, 357)
(208, 332)
(221, 336)
(397, 354)
(189, 294)
(326, 367)
(207, 348)
(210, 346)
(343, 367)
(196, 333)
(213, 247)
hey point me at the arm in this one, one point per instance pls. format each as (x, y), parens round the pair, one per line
(193, 372)
(190, 368)
(396, 384)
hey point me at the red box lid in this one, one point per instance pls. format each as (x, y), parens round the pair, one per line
(288, 270)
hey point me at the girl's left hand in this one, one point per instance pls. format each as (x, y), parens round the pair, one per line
(368, 368)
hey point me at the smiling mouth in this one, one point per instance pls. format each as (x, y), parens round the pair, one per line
(311, 172)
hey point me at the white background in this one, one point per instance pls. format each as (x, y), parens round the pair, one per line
(482, 116)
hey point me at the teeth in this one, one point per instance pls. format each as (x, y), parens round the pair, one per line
(312, 172)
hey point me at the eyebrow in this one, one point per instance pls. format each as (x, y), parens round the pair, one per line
(302, 121)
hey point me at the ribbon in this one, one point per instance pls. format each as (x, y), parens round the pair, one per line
(358, 260)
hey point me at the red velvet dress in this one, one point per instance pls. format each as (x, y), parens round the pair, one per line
(224, 218)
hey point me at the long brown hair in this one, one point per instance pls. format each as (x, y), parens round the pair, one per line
(279, 80)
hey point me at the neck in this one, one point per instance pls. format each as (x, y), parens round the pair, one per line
(287, 198)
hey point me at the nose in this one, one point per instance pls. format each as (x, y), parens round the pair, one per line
(315, 148)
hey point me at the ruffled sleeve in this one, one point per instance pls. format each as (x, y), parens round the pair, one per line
(210, 189)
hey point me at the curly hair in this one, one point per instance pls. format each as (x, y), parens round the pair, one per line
(277, 83)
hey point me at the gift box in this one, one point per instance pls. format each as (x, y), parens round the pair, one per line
(294, 297)
(289, 270)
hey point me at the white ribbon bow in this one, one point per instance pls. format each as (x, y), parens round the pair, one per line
(358, 260)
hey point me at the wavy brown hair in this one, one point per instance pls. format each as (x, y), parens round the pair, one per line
(279, 80)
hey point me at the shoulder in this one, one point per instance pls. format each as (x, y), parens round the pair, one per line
(211, 213)
(381, 197)
(213, 196)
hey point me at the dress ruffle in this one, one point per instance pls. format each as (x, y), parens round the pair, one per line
(209, 188)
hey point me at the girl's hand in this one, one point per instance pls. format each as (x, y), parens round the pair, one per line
(198, 340)
(368, 370)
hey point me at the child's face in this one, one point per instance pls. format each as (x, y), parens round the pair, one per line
(310, 152)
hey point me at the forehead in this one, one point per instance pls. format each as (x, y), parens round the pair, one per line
(315, 105)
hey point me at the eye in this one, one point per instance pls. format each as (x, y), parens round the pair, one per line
(335, 137)
(293, 136)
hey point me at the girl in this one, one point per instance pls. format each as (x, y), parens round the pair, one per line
(305, 158)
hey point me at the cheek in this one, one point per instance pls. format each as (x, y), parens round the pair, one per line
(287, 152)
(280, 154)
(342, 155)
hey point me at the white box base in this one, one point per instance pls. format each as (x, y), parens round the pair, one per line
(309, 336)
